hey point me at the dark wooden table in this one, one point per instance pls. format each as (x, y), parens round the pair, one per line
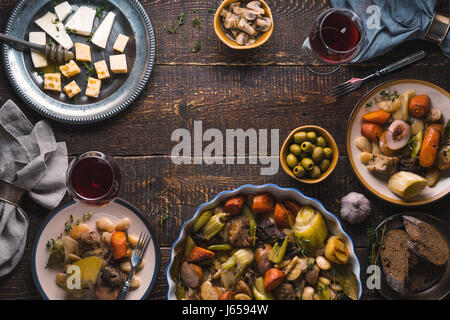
(266, 88)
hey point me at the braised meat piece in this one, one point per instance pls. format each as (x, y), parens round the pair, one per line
(411, 165)
(285, 292)
(250, 277)
(90, 244)
(239, 234)
(113, 276)
(382, 164)
(268, 232)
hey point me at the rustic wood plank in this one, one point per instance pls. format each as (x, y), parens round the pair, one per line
(158, 188)
(223, 97)
(19, 284)
(293, 20)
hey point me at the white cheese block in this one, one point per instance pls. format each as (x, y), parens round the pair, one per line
(82, 20)
(121, 43)
(63, 10)
(39, 60)
(49, 23)
(118, 63)
(101, 35)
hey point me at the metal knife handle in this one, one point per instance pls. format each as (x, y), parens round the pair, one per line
(402, 62)
(124, 290)
(6, 38)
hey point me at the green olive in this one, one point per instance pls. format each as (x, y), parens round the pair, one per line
(295, 149)
(307, 163)
(291, 160)
(327, 152)
(324, 165)
(315, 172)
(317, 154)
(300, 137)
(304, 155)
(321, 142)
(311, 137)
(307, 147)
(299, 171)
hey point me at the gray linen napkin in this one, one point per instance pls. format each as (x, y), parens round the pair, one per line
(32, 160)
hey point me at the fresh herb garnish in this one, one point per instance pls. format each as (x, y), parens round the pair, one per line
(69, 31)
(172, 30)
(376, 242)
(368, 104)
(90, 37)
(68, 225)
(99, 12)
(181, 18)
(163, 220)
(197, 46)
(197, 22)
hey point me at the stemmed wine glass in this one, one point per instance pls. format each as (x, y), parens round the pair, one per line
(94, 179)
(337, 36)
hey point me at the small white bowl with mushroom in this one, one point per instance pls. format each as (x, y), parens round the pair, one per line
(243, 24)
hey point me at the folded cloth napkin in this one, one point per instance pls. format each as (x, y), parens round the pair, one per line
(31, 160)
(401, 20)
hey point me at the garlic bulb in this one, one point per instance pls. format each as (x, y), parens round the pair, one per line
(355, 208)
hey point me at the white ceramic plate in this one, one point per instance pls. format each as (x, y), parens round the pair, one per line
(53, 225)
(378, 184)
(333, 224)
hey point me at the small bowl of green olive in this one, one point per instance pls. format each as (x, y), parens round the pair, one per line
(309, 154)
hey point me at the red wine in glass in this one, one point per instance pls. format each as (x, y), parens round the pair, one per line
(94, 179)
(337, 37)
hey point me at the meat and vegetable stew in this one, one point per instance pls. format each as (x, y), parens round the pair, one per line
(403, 137)
(102, 257)
(255, 247)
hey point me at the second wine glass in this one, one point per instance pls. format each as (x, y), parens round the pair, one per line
(94, 179)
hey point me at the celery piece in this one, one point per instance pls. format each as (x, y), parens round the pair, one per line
(277, 253)
(202, 220)
(246, 212)
(259, 293)
(220, 247)
(189, 246)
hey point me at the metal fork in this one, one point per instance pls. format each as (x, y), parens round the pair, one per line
(355, 83)
(136, 259)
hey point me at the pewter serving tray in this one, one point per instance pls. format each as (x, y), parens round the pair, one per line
(117, 93)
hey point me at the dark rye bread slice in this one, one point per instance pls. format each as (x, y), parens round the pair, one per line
(426, 242)
(395, 259)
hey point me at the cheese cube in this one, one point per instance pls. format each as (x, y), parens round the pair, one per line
(52, 81)
(93, 87)
(72, 89)
(70, 69)
(121, 43)
(102, 70)
(39, 59)
(63, 10)
(83, 52)
(118, 63)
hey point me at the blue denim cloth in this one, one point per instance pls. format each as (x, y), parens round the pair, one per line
(401, 20)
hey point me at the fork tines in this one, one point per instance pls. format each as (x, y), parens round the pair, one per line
(142, 244)
(342, 89)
